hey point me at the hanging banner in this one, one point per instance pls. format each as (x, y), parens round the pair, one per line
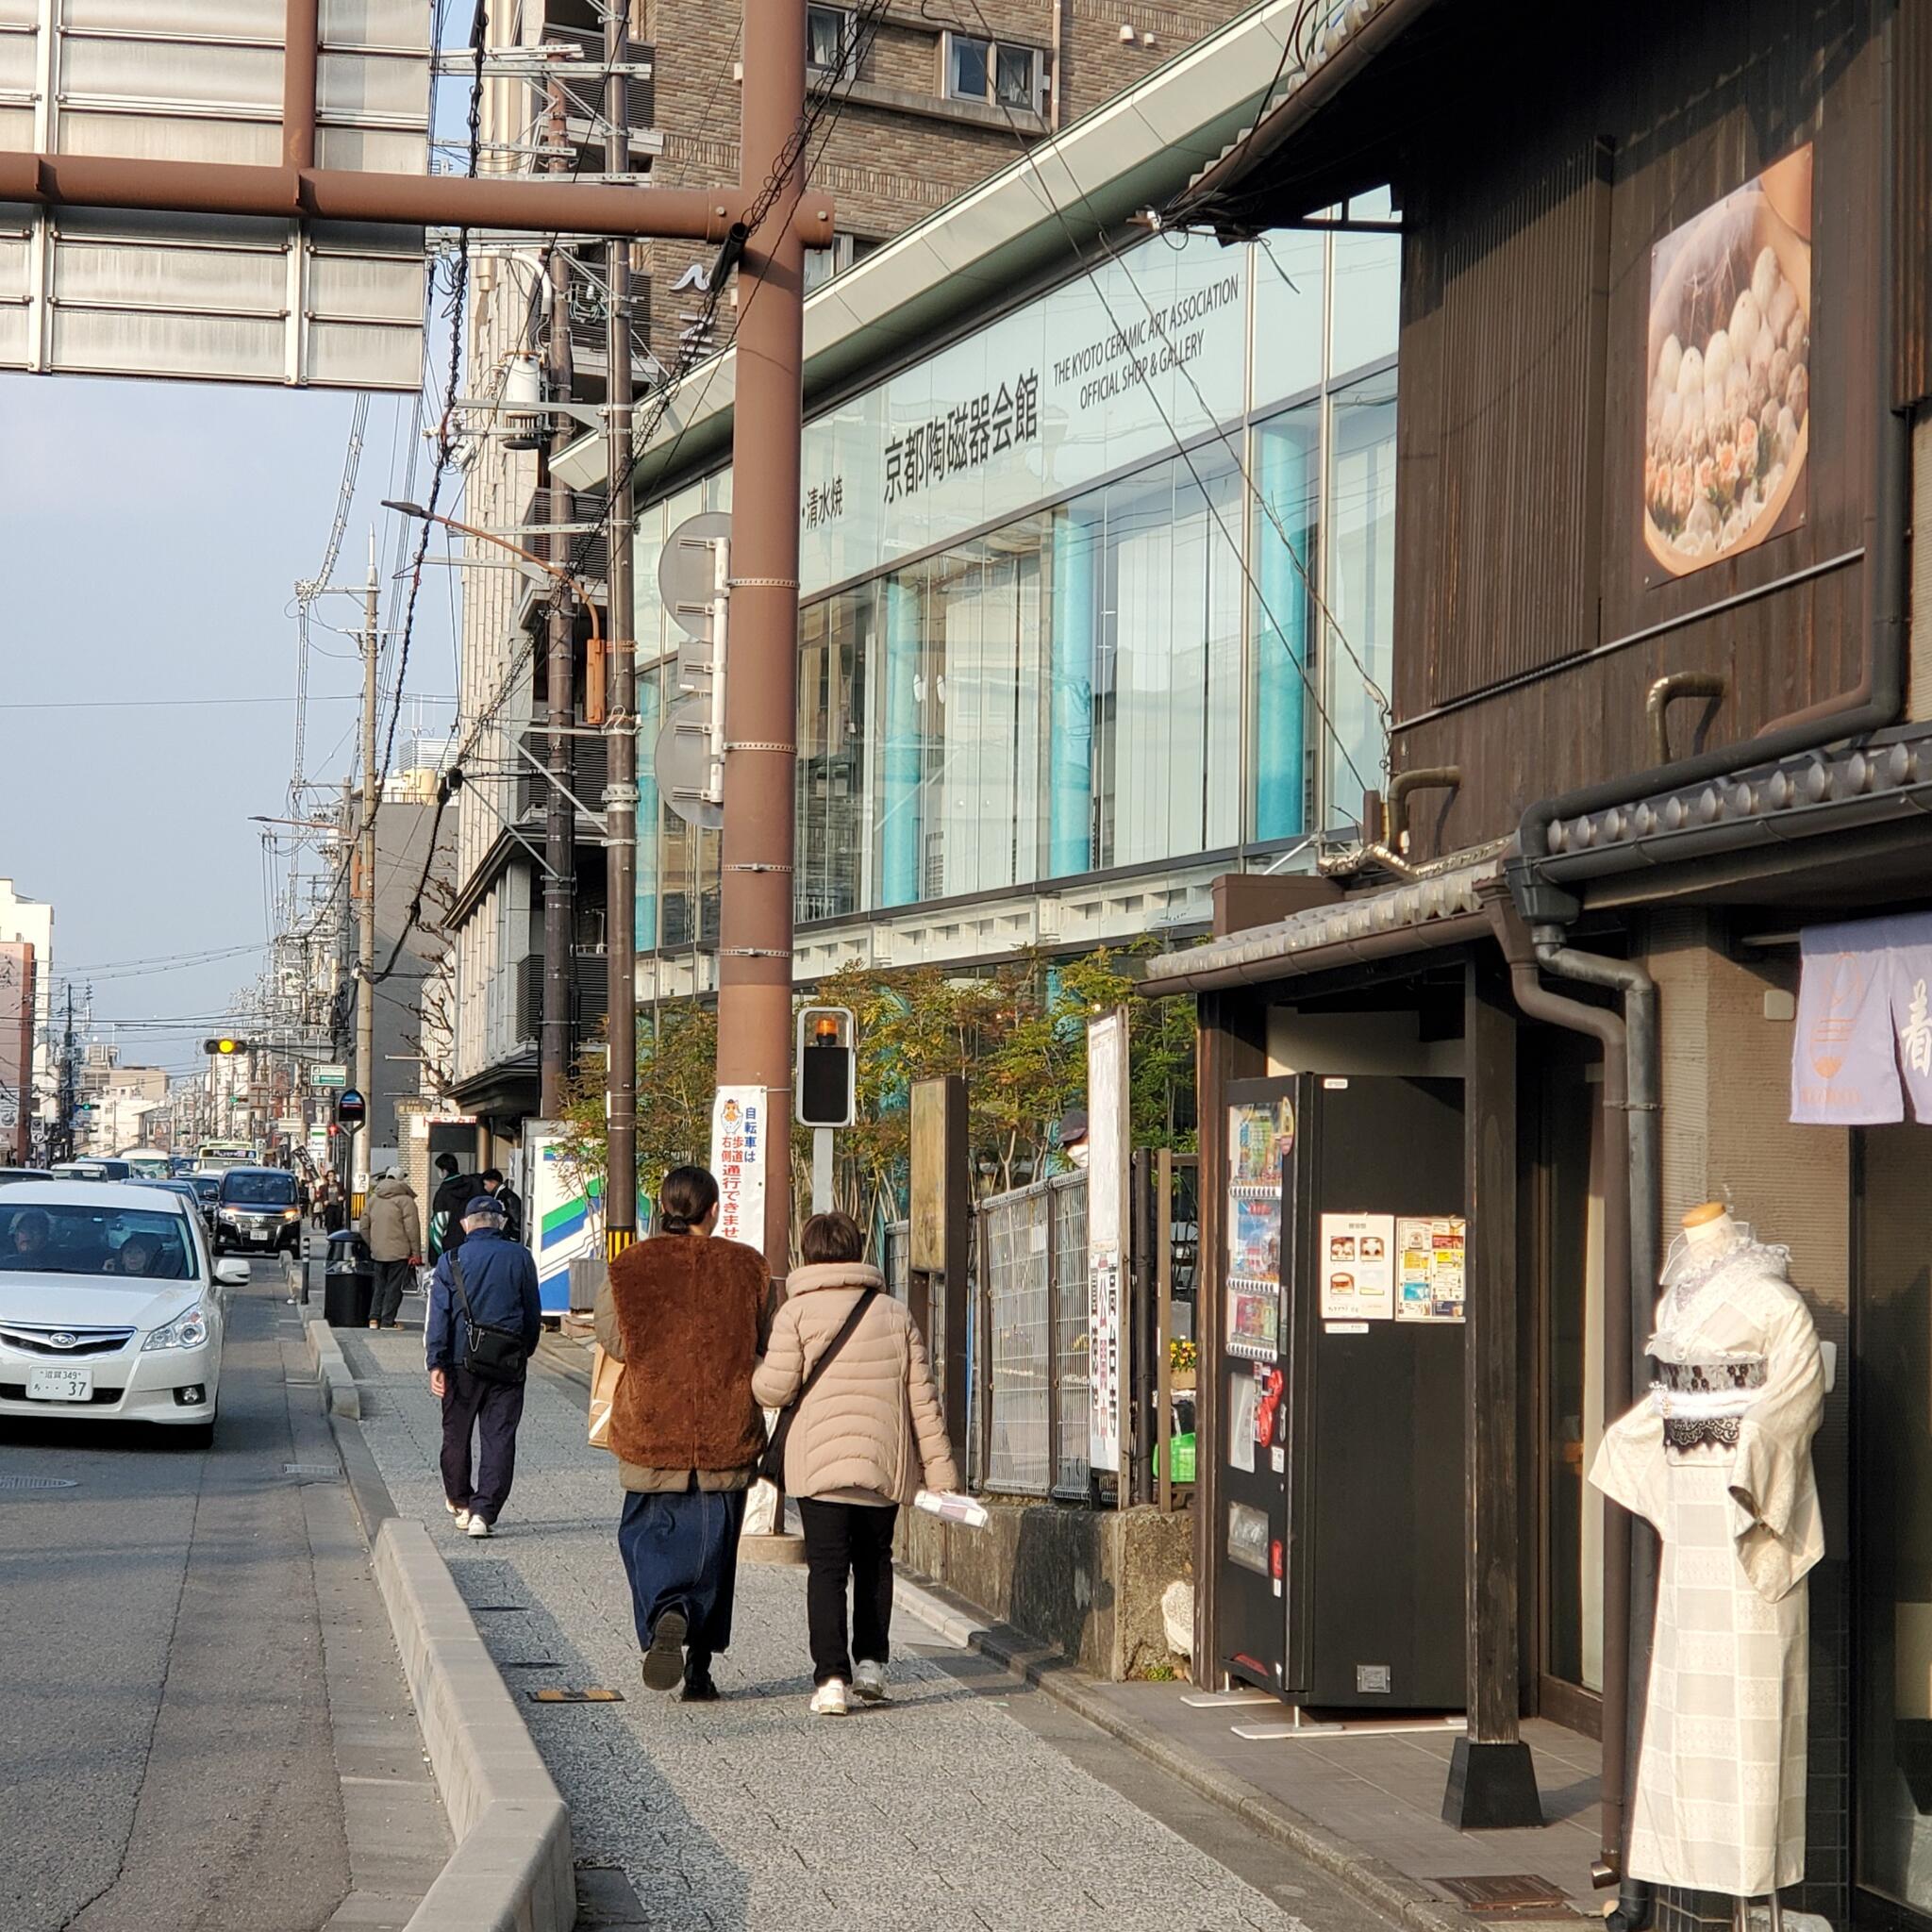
(737, 1159)
(1107, 1239)
(1863, 1039)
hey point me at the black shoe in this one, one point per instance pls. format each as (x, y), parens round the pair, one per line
(699, 1689)
(665, 1661)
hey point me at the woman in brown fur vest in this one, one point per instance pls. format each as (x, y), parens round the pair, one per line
(688, 1316)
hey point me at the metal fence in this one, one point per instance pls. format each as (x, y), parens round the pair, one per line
(1030, 1402)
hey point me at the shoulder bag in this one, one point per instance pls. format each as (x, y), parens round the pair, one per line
(491, 1355)
(771, 1465)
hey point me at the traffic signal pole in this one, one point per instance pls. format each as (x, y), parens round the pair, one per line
(762, 694)
(359, 1176)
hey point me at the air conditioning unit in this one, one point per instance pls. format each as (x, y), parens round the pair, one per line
(525, 424)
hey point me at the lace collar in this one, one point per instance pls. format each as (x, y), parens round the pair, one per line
(1691, 1275)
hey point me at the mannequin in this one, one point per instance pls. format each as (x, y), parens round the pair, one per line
(1719, 1458)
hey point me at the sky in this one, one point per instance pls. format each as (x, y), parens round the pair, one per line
(154, 533)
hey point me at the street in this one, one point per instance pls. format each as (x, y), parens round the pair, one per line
(179, 1624)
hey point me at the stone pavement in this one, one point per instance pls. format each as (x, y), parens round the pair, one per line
(941, 1810)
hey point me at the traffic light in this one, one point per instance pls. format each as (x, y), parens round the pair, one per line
(225, 1047)
(826, 1075)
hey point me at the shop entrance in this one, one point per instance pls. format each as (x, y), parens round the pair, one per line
(1891, 1549)
(1565, 1201)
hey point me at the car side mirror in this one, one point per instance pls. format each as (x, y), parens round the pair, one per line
(231, 1271)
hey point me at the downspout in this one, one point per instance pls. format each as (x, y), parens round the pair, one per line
(1877, 698)
(1630, 1115)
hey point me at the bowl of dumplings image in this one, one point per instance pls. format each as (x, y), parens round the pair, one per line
(1727, 415)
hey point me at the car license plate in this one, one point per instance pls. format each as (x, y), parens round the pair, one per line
(60, 1385)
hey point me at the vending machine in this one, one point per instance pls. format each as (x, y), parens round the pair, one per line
(1342, 1533)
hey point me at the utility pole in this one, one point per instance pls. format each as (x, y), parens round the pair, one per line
(559, 815)
(754, 911)
(67, 1086)
(620, 731)
(365, 935)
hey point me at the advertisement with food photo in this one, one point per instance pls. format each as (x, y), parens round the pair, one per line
(1728, 381)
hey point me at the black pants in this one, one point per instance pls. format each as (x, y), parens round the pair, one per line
(392, 1279)
(844, 1540)
(491, 1410)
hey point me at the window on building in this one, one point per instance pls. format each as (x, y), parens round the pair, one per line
(821, 264)
(831, 48)
(996, 72)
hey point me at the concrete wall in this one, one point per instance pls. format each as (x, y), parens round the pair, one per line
(1084, 1582)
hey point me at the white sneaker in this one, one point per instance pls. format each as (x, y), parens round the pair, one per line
(479, 1526)
(828, 1700)
(869, 1680)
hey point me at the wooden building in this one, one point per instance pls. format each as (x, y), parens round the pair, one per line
(1659, 708)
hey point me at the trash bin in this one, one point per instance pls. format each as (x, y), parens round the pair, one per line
(348, 1284)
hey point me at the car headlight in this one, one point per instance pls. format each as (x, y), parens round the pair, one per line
(291, 1214)
(184, 1331)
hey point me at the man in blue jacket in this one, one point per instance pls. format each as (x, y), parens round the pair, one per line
(499, 1283)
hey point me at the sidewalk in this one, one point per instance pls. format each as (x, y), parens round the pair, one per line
(944, 1810)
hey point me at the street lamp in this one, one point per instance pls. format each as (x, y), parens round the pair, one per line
(568, 580)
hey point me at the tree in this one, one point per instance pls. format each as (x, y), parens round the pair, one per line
(1016, 1033)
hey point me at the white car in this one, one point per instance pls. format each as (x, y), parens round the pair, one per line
(111, 1306)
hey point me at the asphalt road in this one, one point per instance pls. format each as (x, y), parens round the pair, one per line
(165, 1751)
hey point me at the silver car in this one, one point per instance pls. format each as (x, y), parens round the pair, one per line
(111, 1306)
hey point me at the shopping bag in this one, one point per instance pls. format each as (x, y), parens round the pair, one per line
(607, 1372)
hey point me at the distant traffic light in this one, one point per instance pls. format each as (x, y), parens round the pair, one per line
(227, 1046)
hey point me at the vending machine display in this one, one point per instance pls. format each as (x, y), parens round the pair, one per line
(1341, 1364)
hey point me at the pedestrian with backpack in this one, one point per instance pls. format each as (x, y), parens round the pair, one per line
(485, 1320)
(860, 1433)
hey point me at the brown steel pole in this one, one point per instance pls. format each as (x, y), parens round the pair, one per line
(301, 55)
(559, 815)
(621, 745)
(761, 705)
(524, 203)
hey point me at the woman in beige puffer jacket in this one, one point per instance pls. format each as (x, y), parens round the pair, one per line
(868, 1437)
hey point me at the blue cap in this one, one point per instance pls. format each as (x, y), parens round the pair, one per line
(485, 1204)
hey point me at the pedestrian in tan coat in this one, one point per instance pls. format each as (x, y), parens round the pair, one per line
(867, 1437)
(394, 1231)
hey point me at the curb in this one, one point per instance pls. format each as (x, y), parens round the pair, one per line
(513, 1868)
(1374, 1881)
(326, 1356)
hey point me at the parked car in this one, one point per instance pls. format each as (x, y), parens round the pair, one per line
(257, 1212)
(9, 1175)
(111, 1307)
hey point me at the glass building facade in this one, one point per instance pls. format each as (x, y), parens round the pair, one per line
(1103, 584)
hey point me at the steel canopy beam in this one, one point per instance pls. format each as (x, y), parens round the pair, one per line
(411, 201)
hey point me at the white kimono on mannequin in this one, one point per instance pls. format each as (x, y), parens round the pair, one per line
(1719, 1458)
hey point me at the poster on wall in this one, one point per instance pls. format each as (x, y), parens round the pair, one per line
(1727, 421)
(1429, 1262)
(1355, 1253)
(737, 1159)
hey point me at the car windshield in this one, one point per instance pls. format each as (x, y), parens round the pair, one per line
(207, 1187)
(77, 1239)
(244, 1189)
